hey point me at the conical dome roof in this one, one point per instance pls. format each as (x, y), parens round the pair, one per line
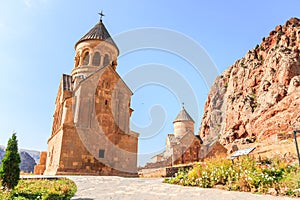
(183, 115)
(98, 32)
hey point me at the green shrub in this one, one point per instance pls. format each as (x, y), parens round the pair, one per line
(10, 166)
(41, 189)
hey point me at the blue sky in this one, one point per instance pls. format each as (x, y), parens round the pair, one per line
(37, 40)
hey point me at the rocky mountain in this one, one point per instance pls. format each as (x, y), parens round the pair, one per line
(259, 95)
(27, 162)
(2, 152)
(33, 153)
(29, 158)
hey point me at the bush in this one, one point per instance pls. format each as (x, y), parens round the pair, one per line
(41, 189)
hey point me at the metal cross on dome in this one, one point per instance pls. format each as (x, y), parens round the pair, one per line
(101, 15)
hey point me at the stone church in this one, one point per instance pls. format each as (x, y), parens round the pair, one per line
(184, 147)
(90, 131)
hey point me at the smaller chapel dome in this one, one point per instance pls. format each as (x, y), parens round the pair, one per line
(183, 115)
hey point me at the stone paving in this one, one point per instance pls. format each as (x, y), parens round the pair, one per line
(118, 188)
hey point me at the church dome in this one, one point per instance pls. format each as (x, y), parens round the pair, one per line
(183, 115)
(98, 32)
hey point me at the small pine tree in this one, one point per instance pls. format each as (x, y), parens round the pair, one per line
(10, 166)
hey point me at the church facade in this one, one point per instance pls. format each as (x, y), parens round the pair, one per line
(90, 131)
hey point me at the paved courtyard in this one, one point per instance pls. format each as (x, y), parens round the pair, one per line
(118, 188)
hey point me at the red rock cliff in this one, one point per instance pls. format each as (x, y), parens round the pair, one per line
(259, 95)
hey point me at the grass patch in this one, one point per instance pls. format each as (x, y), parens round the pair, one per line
(61, 189)
(272, 176)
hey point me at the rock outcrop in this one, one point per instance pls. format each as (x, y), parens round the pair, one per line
(259, 95)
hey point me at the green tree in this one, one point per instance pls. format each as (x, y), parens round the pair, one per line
(10, 167)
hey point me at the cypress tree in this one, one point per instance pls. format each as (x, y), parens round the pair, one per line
(10, 166)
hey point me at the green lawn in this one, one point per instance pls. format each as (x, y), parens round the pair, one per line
(41, 189)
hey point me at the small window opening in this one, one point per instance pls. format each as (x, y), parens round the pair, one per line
(101, 153)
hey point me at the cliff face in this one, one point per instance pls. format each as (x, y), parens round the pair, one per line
(259, 95)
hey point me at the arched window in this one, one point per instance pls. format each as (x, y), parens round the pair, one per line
(106, 60)
(96, 59)
(86, 58)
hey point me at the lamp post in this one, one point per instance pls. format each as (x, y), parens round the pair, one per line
(296, 143)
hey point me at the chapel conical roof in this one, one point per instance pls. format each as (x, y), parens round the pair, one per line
(183, 115)
(98, 32)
